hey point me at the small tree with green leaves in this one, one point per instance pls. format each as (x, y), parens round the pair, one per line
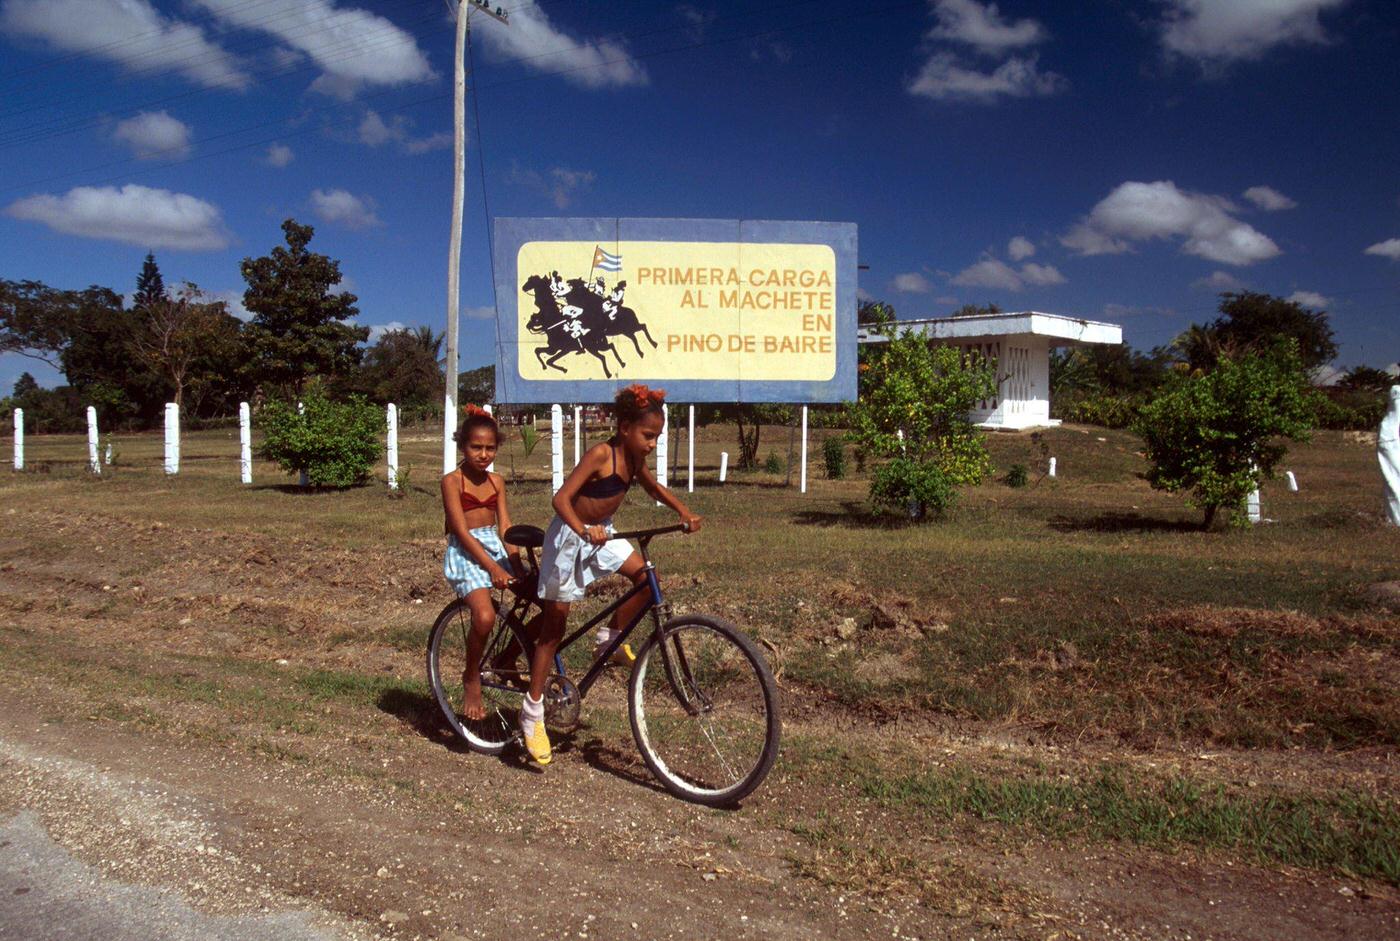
(1219, 432)
(335, 443)
(913, 413)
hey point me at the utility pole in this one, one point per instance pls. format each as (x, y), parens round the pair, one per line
(465, 8)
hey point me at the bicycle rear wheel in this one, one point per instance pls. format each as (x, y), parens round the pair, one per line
(503, 677)
(704, 710)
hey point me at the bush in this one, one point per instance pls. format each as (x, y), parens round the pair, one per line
(774, 464)
(335, 443)
(916, 489)
(1349, 410)
(1108, 411)
(1018, 476)
(834, 456)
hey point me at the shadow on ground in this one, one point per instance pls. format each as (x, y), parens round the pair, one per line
(1114, 522)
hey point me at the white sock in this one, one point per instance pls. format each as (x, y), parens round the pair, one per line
(532, 712)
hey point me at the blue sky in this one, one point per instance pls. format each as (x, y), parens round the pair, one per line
(1121, 161)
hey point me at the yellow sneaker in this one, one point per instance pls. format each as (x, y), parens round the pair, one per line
(622, 656)
(536, 741)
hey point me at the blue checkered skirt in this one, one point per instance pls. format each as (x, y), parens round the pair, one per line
(461, 570)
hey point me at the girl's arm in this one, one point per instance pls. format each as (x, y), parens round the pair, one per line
(658, 492)
(503, 524)
(457, 525)
(593, 460)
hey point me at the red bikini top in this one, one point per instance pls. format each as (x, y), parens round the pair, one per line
(472, 502)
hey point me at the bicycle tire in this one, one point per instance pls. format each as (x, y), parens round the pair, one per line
(704, 710)
(502, 692)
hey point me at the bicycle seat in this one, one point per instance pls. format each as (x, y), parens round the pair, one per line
(525, 536)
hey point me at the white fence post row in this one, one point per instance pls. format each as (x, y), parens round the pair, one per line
(663, 448)
(19, 439)
(804, 449)
(578, 441)
(556, 445)
(245, 443)
(391, 446)
(94, 464)
(172, 438)
(723, 465)
(1292, 481)
(690, 452)
(486, 407)
(302, 480)
(1052, 467)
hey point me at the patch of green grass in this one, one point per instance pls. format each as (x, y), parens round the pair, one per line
(1344, 832)
(356, 687)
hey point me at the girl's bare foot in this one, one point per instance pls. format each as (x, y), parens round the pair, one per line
(472, 706)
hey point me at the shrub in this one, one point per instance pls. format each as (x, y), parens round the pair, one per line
(774, 464)
(1217, 433)
(335, 443)
(834, 456)
(1109, 411)
(1018, 475)
(907, 487)
(1349, 410)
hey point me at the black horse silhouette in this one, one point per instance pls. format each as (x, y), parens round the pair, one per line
(562, 334)
(588, 331)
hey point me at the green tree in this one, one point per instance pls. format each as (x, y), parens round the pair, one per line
(176, 336)
(404, 367)
(1251, 322)
(150, 286)
(335, 443)
(298, 329)
(874, 312)
(1219, 432)
(973, 310)
(913, 413)
(1368, 379)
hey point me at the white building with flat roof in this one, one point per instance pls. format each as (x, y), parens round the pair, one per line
(1018, 344)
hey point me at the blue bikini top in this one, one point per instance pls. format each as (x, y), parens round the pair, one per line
(604, 487)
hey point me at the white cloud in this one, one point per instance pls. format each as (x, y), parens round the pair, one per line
(864, 296)
(997, 274)
(697, 21)
(374, 131)
(1219, 31)
(352, 47)
(536, 43)
(560, 184)
(279, 155)
(942, 78)
(1121, 311)
(1268, 198)
(1310, 299)
(1020, 247)
(945, 299)
(1390, 248)
(131, 33)
(1219, 281)
(233, 301)
(377, 330)
(154, 134)
(344, 208)
(912, 283)
(1136, 212)
(982, 27)
(135, 215)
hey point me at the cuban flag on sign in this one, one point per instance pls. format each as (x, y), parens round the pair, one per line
(605, 261)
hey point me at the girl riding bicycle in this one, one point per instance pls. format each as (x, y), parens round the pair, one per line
(474, 506)
(579, 548)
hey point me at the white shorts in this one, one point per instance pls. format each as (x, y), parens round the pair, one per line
(570, 563)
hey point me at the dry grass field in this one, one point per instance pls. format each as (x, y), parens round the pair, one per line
(1061, 711)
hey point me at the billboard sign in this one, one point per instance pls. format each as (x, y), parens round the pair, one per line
(710, 310)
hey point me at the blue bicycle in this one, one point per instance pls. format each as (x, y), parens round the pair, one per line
(702, 702)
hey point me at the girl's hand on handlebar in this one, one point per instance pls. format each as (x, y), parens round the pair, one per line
(596, 535)
(500, 578)
(691, 522)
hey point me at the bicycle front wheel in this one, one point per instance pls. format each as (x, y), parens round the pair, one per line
(503, 668)
(704, 710)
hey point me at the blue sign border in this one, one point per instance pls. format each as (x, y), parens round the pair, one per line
(510, 234)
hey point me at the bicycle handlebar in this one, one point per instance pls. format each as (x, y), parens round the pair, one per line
(649, 533)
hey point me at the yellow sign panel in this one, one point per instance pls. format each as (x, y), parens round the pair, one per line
(676, 310)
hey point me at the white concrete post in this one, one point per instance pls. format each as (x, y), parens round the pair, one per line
(1052, 467)
(303, 480)
(1292, 481)
(723, 465)
(107, 452)
(556, 445)
(804, 449)
(578, 432)
(245, 443)
(690, 452)
(391, 446)
(1252, 507)
(663, 448)
(19, 439)
(172, 438)
(93, 464)
(490, 468)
